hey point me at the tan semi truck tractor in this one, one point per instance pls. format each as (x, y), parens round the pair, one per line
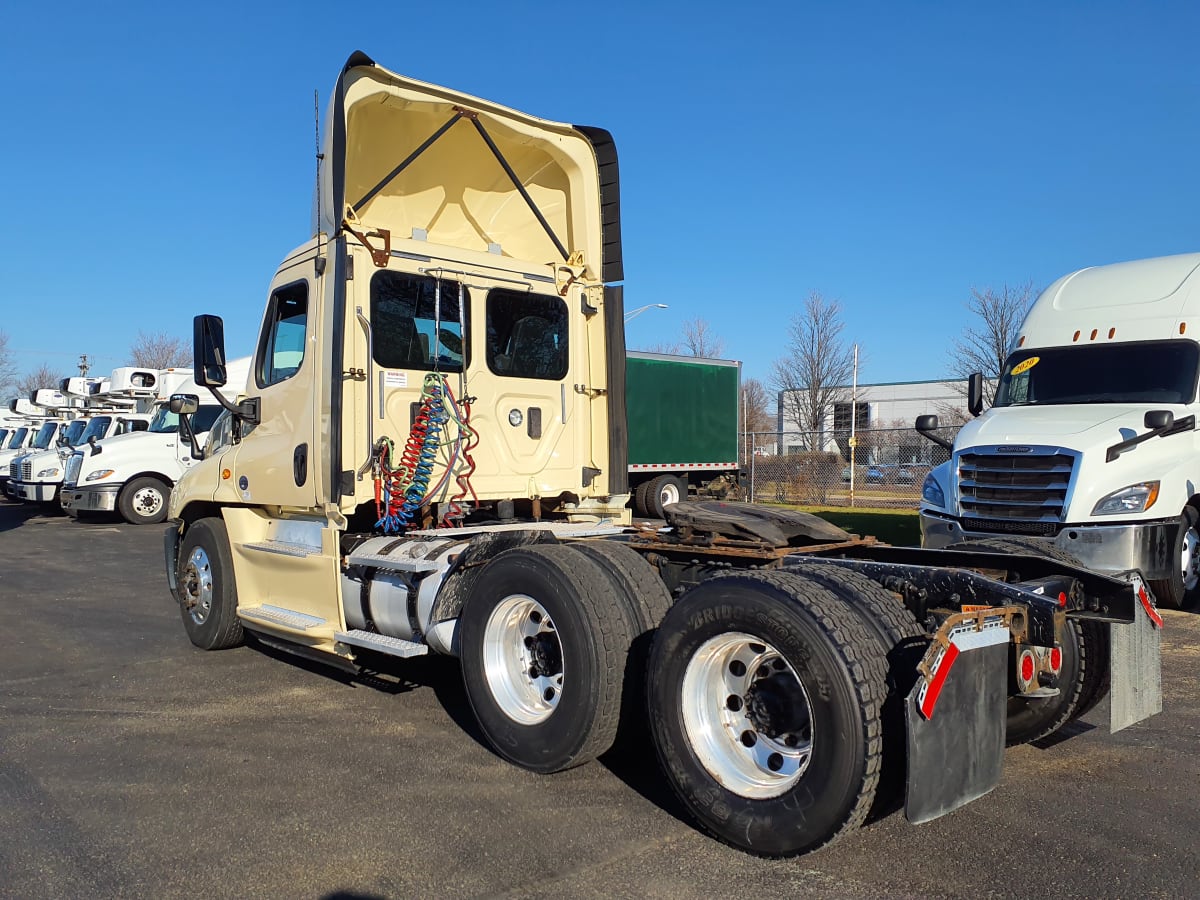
(429, 456)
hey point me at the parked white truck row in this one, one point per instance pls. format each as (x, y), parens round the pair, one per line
(103, 444)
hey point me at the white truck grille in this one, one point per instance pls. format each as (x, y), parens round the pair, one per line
(26, 471)
(1015, 489)
(74, 464)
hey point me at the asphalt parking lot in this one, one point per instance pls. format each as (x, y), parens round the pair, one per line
(132, 764)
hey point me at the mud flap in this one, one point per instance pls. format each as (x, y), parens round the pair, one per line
(1135, 672)
(956, 718)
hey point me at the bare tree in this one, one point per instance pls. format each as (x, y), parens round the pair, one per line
(756, 415)
(159, 351)
(699, 339)
(661, 347)
(44, 376)
(8, 368)
(983, 348)
(816, 371)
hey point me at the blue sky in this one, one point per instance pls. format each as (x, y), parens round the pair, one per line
(158, 158)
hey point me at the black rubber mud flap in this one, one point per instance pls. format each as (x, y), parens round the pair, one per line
(956, 739)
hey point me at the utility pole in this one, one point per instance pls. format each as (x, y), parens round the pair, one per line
(83, 365)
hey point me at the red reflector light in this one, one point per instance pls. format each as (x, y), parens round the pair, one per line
(1062, 600)
(1027, 667)
(1056, 660)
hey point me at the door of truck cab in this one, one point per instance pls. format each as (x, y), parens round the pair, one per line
(274, 464)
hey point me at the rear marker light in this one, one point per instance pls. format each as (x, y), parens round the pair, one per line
(1062, 600)
(1027, 667)
(1056, 660)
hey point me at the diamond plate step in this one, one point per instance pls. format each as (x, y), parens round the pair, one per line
(381, 643)
(283, 548)
(395, 563)
(278, 616)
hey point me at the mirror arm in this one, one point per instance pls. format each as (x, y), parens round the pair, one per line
(1176, 427)
(185, 424)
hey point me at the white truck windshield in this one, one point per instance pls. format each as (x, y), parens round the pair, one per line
(97, 428)
(44, 436)
(167, 422)
(1142, 372)
(18, 436)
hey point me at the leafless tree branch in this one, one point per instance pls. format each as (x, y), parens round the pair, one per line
(984, 347)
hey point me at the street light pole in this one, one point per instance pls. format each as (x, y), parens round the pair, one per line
(642, 309)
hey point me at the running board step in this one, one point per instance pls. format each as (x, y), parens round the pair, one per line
(394, 563)
(381, 643)
(278, 616)
(284, 548)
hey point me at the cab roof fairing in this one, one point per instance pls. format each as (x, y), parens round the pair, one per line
(455, 190)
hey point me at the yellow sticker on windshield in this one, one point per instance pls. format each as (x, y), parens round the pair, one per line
(1025, 366)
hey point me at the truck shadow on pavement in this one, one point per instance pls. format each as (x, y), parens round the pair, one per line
(14, 515)
(626, 761)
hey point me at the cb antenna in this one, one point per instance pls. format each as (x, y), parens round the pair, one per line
(319, 155)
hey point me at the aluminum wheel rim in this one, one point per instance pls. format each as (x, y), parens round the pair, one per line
(1190, 559)
(148, 501)
(520, 649)
(198, 586)
(720, 690)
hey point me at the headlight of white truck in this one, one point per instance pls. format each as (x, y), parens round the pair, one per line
(98, 474)
(1133, 499)
(47, 473)
(932, 493)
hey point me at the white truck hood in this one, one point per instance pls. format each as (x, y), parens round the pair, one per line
(1048, 424)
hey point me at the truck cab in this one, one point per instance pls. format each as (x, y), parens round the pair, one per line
(1091, 443)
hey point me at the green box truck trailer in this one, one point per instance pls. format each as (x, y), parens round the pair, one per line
(682, 415)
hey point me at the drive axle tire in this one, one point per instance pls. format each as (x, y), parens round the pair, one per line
(144, 501)
(764, 692)
(1182, 589)
(646, 601)
(903, 643)
(544, 642)
(207, 592)
(1083, 677)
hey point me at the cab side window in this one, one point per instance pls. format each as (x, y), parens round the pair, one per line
(526, 335)
(282, 348)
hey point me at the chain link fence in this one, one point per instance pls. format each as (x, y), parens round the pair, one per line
(889, 466)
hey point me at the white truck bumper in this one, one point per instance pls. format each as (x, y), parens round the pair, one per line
(87, 499)
(35, 491)
(1111, 549)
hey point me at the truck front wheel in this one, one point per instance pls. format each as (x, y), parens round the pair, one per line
(144, 501)
(1182, 589)
(764, 692)
(544, 641)
(208, 594)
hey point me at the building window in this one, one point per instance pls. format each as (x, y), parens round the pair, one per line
(841, 416)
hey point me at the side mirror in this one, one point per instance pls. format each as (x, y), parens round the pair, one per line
(208, 351)
(975, 393)
(183, 404)
(1159, 418)
(927, 426)
(92, 444)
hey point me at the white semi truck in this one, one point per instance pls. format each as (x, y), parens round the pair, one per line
(423, 461)
(133, 473)
(1091, 445)
(103, 412)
